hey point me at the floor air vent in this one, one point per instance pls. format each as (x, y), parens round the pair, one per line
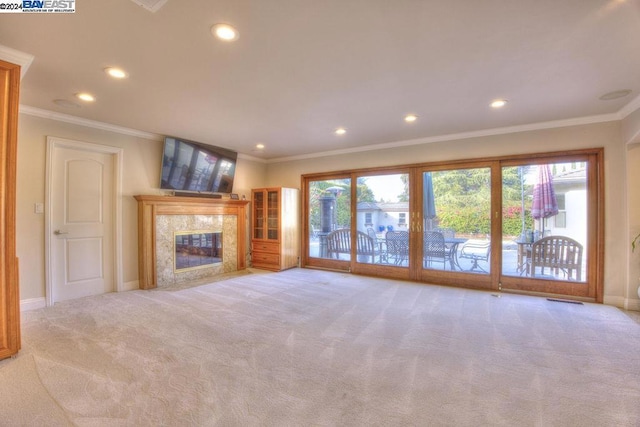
(564, 300)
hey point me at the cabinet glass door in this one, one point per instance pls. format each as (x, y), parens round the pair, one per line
(272, 215)
(258, 215)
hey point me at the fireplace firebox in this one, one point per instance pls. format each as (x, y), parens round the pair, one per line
(197, 249)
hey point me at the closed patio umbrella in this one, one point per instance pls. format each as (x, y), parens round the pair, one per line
(545, 203)
(428, 200)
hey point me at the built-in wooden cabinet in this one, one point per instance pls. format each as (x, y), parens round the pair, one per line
(9, 285)
(275, 231)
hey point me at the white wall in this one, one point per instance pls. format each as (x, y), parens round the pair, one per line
(631, 128)
(608, 135)
(141, 175)
(633, 190)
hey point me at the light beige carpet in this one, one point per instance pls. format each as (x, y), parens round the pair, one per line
(306, 347)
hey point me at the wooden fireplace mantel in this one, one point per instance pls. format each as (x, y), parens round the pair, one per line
(151, 206)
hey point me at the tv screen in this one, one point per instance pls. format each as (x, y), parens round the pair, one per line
(195, 167)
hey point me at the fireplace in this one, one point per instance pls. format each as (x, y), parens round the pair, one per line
(162, 218)
(185, 247)
(196, 249)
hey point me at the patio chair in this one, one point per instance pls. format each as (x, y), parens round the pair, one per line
(434, 249)
(448, 233)
(397, 243)
(372, 233)
(557, 253)
(476, 250)
(377, 243)
(339, 242)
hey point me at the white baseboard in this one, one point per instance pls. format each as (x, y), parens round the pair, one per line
(36, 303)
(632, 304)
(32, 304)
(614, 301)
(130, 286)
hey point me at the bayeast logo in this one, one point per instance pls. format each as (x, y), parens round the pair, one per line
(49, 6)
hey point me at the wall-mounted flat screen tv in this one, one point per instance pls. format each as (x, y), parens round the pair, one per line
(194, 167)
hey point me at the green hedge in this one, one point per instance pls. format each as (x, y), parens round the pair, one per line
(476, 220)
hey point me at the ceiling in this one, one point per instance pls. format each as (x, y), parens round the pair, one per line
(302, 68)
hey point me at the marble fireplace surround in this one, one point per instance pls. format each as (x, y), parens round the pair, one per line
(168, 225)
(160, 216)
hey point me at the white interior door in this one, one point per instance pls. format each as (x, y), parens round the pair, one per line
(81, 223)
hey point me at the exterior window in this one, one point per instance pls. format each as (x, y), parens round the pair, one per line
(402, 219)
(367, 219)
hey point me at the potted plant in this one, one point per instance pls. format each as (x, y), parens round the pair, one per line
(633, 248)
(634, 242)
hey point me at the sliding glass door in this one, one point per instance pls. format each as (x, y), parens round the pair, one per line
(382, 212)
(328, 214)
(548, 225)
(455, 224)
(524, 224)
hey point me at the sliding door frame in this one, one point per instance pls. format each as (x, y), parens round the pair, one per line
(592, 290)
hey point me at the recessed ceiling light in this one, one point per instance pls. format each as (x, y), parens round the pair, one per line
(410, 118)
(225, 32)
(615, 94)
(499, 103)
(65, 103)
(116, 73)
(341, 131)
(259, 146)
(84, 96)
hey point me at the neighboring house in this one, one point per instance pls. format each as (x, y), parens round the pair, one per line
(382, 216)
(571, 192)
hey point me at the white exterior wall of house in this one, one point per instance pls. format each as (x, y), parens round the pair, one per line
(571, 184)
(361, 223)
(385, 217)
(392, 219)
(576, 208)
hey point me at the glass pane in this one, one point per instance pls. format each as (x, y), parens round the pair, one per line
(544, 221)
(457, 220)
(272, 215)
(329, 211)
(258, 215)
(382, 219)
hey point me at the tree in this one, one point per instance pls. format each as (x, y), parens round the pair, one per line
(318, 189)
(404, 196)
(463, 200)
(364, 193)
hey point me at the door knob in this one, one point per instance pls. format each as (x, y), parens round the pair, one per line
(58, 232)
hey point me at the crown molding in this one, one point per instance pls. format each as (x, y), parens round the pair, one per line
(458, 136)
(52, 115)
(629, 108)
(22, 59)
(252, 158)
(67, 118)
